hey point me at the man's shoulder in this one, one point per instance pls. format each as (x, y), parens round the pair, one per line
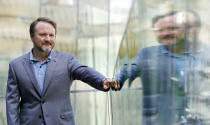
(19, 59)
(150, 49)
(61, 54)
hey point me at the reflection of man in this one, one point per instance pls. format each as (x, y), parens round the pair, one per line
(163, 69)
(39, 81)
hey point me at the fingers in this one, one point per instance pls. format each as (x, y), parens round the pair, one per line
(113, 83)
(106, 85)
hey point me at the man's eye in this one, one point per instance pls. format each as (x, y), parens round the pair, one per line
(158, 29)
(172, 28)
(42, 34)
(52, 36)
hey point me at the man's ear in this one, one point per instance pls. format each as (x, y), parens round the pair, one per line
(31, 37)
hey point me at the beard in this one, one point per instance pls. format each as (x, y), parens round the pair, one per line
(45, 48)
(172, 40)
(170, 44)
(168, 39)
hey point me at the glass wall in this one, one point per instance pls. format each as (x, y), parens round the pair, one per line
(163, 65)
(118, 39)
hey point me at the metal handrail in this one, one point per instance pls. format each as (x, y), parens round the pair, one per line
(91, 90)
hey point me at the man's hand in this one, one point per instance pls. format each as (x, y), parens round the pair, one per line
(113, 83)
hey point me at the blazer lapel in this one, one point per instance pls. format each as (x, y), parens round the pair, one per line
(30, 71)
(49, 72)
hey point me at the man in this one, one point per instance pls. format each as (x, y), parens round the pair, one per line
(165, 69)
(39, 81)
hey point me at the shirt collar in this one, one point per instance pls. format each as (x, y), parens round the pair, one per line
(163, 50)
(32, 59)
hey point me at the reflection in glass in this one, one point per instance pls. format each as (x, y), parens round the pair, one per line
(171, 72)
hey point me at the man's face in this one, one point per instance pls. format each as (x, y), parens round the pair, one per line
(44, 37)
(168, 32)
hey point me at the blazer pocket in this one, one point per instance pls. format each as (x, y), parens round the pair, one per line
(67, 115)
(24, 116)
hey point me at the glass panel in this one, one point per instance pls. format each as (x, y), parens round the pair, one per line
(90, 108)
(127, 104)
(172, 63)
(166, 91)
(2, 111)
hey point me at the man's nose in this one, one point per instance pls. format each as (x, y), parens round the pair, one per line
(47, 38)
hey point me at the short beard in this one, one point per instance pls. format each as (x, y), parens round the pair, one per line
(170, 44)
(43, 49)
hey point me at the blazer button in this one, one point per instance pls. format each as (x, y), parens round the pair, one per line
(40, 116)
(42, 101)
(62, 116)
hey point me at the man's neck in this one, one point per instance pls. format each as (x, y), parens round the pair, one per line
(185, 46)
(41, 56)
(176, 49)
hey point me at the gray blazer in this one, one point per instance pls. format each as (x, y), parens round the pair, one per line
(26, 105)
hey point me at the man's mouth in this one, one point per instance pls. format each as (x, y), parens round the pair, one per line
(168, 37)
(46, 44)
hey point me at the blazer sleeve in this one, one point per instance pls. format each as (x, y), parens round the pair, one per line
(134, 70)
(122, 75)
(12, 99)
(85, 74)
